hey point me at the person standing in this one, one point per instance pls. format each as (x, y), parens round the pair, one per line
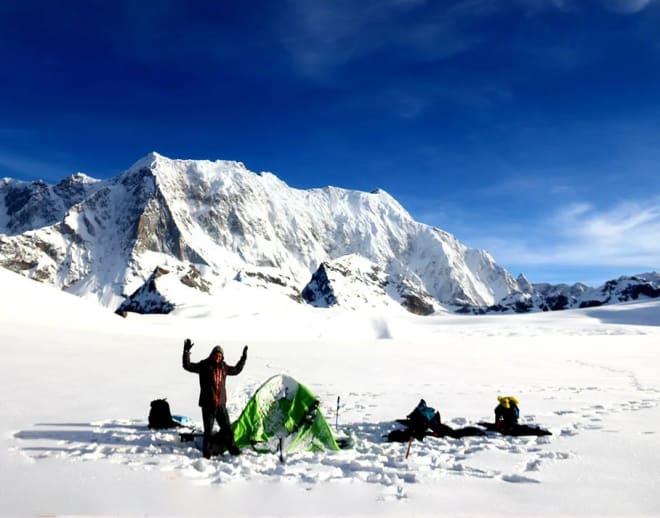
(213, 372)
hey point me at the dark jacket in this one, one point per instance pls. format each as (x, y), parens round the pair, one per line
(207, 389)
(505, 418)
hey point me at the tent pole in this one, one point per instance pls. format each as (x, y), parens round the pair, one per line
(281, 452)
(409, 444)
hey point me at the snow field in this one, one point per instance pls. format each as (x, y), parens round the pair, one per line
(77, 384)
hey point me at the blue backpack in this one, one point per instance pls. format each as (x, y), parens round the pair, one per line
(422, 418)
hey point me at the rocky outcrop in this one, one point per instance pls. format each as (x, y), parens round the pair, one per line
(269, 279)
(354, 282)
(164, 289)
(147, 299)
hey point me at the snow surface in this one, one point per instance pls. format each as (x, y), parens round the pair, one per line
(77, 381)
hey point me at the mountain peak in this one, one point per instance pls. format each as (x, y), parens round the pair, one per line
(78, 178)
(158, 163)
(524, 284)
(148, 161)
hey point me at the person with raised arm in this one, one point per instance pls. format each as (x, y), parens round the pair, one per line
(213, 372)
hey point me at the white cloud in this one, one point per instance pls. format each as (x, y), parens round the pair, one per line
(578, 235)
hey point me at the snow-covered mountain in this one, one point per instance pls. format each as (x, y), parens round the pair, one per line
(104, 239)
(29, 205)
(552, 297)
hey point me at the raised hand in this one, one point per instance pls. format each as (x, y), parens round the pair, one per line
(187, 344)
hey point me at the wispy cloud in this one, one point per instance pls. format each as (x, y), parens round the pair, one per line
(617, 6)
(22, 166)
(581, 235)
(528, 186)
(320, 37)
(626, 6)
(414, 100)
(406, 104)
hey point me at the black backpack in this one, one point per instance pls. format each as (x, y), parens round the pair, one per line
(160, 415)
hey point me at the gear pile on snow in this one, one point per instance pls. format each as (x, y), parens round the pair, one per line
(425, 420)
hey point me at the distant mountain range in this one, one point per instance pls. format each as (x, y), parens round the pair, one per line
(207, 224)
(553, 297)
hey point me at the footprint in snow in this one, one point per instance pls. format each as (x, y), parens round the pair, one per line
(519, 479)
(533, 465)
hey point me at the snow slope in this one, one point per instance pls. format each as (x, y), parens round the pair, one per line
(77, 381)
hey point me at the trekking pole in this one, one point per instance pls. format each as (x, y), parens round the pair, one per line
(409, 445)
(337, 416)
(281, 452)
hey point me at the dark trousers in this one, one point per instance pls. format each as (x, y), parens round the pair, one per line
(211, 415)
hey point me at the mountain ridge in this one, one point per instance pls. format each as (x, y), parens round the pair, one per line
(554, 297)
(103, 239)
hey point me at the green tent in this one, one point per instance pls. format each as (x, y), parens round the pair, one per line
(283, 409)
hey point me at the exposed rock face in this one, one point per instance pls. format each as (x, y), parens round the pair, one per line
(624, 289)
(352, 281)
(193, 278)
(29, 205)
(270, 279)
(147, 299)
(320, 291)
(414, 299)
(105, 238)
(164, 289)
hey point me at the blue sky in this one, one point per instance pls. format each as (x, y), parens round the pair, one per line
(530, 128)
